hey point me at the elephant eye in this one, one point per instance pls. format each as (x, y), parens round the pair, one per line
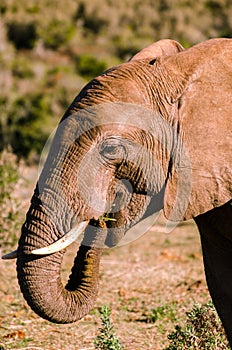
(112, 149)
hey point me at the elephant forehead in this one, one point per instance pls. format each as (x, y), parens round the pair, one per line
(114, 119)
(124, 114)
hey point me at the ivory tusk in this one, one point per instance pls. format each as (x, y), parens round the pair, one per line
(11, 255)
(64, 241)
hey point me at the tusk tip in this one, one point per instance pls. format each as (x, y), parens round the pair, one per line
(11, 255)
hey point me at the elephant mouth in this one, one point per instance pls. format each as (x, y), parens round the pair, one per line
(103, 223)
(107, 228)
(112, 225)
(57, 246)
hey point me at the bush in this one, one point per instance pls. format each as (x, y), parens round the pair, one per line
(89, 67)
(106, 339)
(154, 314)
(92, 19)
(24, 123)
(23, 35)
(203, 330)
(21, 68)
(56, 33)
(9, 214)
(125, 46)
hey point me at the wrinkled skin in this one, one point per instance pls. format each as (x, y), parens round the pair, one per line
(147, 135)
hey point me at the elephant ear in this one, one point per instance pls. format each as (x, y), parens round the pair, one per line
(165, 47)
(201, 178)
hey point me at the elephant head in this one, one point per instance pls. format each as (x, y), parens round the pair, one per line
(137, 139)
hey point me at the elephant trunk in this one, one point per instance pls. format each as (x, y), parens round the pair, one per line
(40, 277)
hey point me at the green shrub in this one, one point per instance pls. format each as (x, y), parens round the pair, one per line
(106, 339)
(89, 67)
(56, 33)
(3, 9)
(21, 68)
(92, 20)
(23, 35)
(203, 330)
(154, 314)
(125, 46)
(25, 123)
(9, 214)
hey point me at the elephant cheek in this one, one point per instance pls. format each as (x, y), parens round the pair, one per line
(95, 193)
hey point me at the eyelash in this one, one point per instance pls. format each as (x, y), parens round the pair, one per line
(112, 150)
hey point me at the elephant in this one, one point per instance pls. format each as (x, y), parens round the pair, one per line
(147, 135)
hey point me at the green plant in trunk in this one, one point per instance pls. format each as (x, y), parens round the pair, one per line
(106, 339)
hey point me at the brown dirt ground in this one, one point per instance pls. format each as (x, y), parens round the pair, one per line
(156, 270)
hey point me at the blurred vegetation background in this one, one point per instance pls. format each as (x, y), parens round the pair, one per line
(50, 48)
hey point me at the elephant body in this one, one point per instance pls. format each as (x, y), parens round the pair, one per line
(152, 133)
